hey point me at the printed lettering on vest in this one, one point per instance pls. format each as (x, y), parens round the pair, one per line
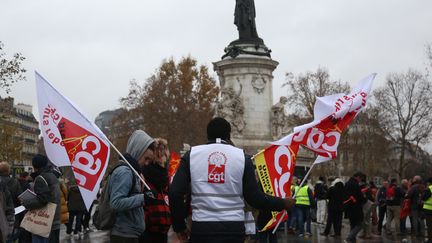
(216, 167)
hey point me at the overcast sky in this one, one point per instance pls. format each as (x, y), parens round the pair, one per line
(90, 50)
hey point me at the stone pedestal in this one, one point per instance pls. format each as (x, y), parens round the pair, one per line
(245, 75)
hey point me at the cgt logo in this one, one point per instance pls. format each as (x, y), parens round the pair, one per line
(87, 153)
(216, 167)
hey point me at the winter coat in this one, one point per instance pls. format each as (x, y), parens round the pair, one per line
(14, 187)
(320, 190)
(127, 201)
(398, 197)
(156, 210)
(7, 214)
(415, 196)
(47, 189)
(75, 200)
(336, 196)
(64, 217)
(354, 200)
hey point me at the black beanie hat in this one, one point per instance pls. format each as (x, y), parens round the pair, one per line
(218, 128)
(39, 161)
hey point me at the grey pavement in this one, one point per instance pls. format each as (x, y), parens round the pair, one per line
(103, 236)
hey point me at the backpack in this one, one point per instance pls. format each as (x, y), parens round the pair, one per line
(104, 217)
(390, 193)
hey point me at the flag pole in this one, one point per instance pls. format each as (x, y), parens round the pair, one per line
(295, 194)
(127, 162)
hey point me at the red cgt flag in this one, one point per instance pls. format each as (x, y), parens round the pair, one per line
(173, 165)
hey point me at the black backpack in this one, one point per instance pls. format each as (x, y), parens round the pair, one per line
(104, 217)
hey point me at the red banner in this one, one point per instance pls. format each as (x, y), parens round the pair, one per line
(173, 165)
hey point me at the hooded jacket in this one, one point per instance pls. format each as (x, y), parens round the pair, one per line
(127, 198)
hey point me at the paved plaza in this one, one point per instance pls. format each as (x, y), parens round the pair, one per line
(102, 237)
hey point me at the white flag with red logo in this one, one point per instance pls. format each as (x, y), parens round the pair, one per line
(70, 139)
(332, 115)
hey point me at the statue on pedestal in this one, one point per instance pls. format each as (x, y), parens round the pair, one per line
(278, 118)
(244, 18)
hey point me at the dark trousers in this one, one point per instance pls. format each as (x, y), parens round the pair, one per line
(355, 228)
(334, 218)
(217, 238)
(267, 237)
(303, 216)
(119, 239)
(147, 237)
(403, 225)
(428, 216)
(381, 213)
(86, 218)
(77, 216)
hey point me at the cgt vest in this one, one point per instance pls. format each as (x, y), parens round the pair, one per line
(428, 203)
(217, 183)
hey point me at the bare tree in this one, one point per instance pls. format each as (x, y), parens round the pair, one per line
(304, 89)
(405, 106)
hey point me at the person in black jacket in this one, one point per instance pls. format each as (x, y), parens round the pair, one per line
(394, 198)
(335, 195)
(382, 206)
(354, 205)
(76, 208)
(206, 204)
(47, 189)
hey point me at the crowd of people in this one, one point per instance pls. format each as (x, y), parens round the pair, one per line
(214, 197)
(366, 207)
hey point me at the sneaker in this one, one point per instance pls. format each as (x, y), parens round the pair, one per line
(81, 235)
(301, 235)
(324, 234)
(76, 236)
(308, 234)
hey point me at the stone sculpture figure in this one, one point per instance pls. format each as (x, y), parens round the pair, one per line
(232, 109)
(279, 118)
(244, 19)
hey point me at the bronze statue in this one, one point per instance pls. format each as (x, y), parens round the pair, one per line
(244, 19)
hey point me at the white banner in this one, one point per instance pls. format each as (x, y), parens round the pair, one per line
(332, 114)
(70, 139)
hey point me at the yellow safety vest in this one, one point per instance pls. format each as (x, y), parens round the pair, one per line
(302, 197)
(428, 204)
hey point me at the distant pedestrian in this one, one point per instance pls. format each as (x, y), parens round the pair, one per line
(382, 205)
(427, 208)
(321, 199)
(76, 209)
(304, 203)
(7, 215)
(394, 198)
(335, 195)
(354, 205)
(416, 204)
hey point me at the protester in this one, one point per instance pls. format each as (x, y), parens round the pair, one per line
(47, 189)
(292, 216)
(416, 205)
(367, 209)
(335, 195)
(354, 205)
(64, 216)
(13, 184)
(427, 209)
(394, 197)
(126, 197)
(7, 215)
(374, 191)
(24, 180)
(76, 209)
(382, 206)
(405, 202)
(219, 176)
(304, 202)
(320, 190)
(156, 209)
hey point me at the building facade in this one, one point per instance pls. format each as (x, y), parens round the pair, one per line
(19, 132)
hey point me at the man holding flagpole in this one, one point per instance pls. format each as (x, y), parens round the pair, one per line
(126, 196)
